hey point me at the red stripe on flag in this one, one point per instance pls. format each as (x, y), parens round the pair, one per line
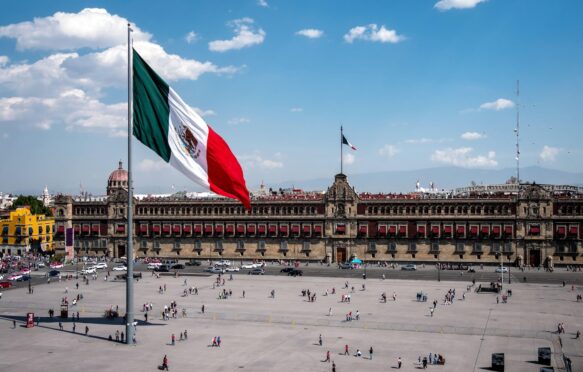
(224, 171)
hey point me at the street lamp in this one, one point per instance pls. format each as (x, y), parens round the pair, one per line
(438, 270)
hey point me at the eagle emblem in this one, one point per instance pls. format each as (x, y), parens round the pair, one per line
(189, 141)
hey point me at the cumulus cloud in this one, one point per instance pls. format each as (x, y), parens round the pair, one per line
(296, 109)
(262, 3)
(237, 121)
(311, 33)
(148, 165)
(457, 4)
(348, 158)
(373, 33)
(203, 113)
(472, 136)
(257, 161)
(246, 35)
(90, 28)
(191, 37)
(388, 150)
(548, 153)
(462, 157)
(499, 104)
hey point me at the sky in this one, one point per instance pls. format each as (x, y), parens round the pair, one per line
(415, 84)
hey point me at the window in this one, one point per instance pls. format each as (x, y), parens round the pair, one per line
(143, 245)
(392, 247)
(435, 247)
(219, 246)
(372, 247)
(261, 246)
(459, 248)
(156, 246)
(507, 247)
(283, 246)
(306, 246)
(176, 246)
(240, 245)
(477, 247)
(198, 246)
(495, 248)
(412, 247)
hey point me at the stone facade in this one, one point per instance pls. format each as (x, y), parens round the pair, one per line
(534, 226)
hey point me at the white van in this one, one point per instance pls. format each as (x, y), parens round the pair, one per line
(154, 265)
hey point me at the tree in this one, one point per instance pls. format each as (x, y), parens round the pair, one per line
(36, 206)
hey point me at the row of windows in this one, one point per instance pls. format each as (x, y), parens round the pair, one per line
(460, 248)
(441, 210)
(570, 210)
(218, 245)
(193, 211)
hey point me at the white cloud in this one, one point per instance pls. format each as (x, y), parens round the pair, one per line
(4, 60)
(203, 113)
(549, 153)
(296, 109)
(373, 33)
(191, 37)
(348, 158)
(389, 151)
(311, 33)
(423, 140)
(237, 121)
(472, 136)
(499, 104)
(257, 161)
(246, 35)
(90, 28)
(262, 3)
(461, 157)
(147, 165)
(457, 4)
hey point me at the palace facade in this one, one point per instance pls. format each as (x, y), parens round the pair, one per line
(526, 224)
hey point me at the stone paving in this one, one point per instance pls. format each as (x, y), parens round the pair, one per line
(260, 333)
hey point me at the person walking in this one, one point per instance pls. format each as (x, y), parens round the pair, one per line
(320, 339)
(14, 324)
(431, 311)
(202, 309)
(86, 330)
(370, 351)
(165, 363)
(399, 363)
(327, 356)
(173, 339)
(60, 326)
(117, 336)
(333, 367)
(185, 335)
(346, 350)
(74, 327)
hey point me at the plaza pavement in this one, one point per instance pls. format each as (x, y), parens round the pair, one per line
(260, 333)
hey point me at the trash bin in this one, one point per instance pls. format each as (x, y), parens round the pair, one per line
(544, 356)
(498, 362)
(64, 311)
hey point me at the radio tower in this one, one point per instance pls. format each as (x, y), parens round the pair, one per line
(517, 131)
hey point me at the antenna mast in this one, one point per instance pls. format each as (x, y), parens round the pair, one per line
(517, 131)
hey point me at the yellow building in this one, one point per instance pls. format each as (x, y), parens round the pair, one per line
(24, 231)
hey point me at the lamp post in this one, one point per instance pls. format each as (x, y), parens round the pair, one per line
(438, 270)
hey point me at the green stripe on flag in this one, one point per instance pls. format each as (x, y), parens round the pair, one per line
(151, 111)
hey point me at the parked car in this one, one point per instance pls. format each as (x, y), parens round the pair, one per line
(223, 263)
(286, 270)
(100, 265)
(14, 277)
(409, 267)
(153, 265)
(471, 269)
(120, 268)
(214, 270)
(346, 265)
(41, 265)
(257, 271)
(5, 284)
(54, 273)
(250, 266)
(23, 278)
(162, 269)
(56, 265)
(502, 269)
(193, 263)
(177, 267)
(25, 271)
(295, 272)
(88, 270)
(231, 269)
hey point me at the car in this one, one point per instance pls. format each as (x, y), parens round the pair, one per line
(257, 271)
(295, 272)
(223, 263)
(501, 269)
(25, 271)
(23, 278)
(88, 270)
(14, 277)
(286, 270)
(100, 265)
(56, 265)
(54, 273)
(231, 269)
(120, 268)
(193, 263)
(346, 265)
(5, 284)
(162, 269)
(153, 265)
(214, 270)
(177, 266)
(41, 265)
(409, 267)
(125, 276)
(250, 266)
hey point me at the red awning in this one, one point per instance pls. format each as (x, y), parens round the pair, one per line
(208, 229)
(447, 229)
(121, 228)
(402, 230)
(156, 228)
(392, 229)
(240, 229)
(435, 230)
(461, 230)
(383, 230)
(485, 230)
(95, 228)
(85, 228)
(534, 230)
(176, 229)
(251, 229)
(340, 228)
(230, 229)
(473, 230)
(363, 229)
(144, 229)
(272, 229)
(61, 229)
(261, 229)
(496, 230)
(421, 230)
(573, 230)
(295, 229)
(561, 230)
(166, 229)
(508, 230)
(186, 228)
(76, 228)
(307, 229)
(283, 229)
(318, 229)
(219, 229)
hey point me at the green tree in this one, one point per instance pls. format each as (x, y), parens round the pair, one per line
(36, 206)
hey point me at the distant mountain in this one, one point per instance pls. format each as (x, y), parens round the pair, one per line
(443, 178)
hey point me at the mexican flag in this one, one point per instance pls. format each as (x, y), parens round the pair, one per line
(174, 131)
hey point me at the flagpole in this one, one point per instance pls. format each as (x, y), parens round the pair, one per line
(341, 147)
(130, 229)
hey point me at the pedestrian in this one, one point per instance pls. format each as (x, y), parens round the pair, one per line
(399, 362)
(60, 326)
(202, 309)
(358, 353)
(243, 293)
(431, 311)
(370, 351)
(497, 300)
(181, 336)
(121, 337)
(74, 327)
(577, 335)
(327, 356)
(346, 350)
(330, 312)
(424, 362)
(134, 338)
(219, 341)
(333, 367)
(86, 330)
(173, 339)
(165, 363)
(14, 324)
(117, 336)
(185, 335)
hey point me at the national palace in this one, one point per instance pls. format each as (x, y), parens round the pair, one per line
(526, 224)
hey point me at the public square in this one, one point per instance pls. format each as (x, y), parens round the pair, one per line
(261, 333)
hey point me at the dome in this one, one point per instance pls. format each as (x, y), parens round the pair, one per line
(119, 175)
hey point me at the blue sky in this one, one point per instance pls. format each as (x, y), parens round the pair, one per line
(416, 84)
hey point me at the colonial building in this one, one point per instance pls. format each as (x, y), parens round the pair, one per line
(526, 224)
(24, 231)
